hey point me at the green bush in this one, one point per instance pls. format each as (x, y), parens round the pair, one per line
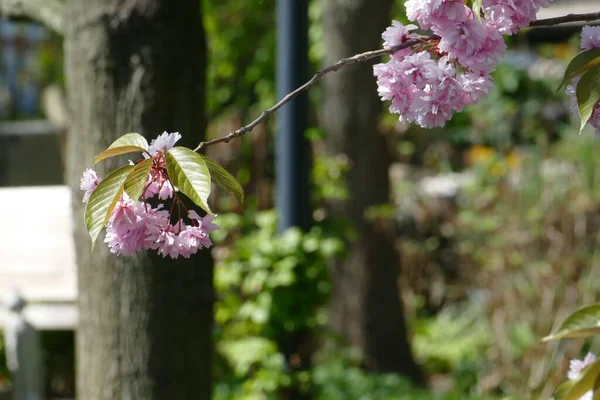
(270, 288)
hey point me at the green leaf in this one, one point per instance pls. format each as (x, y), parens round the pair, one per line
(476, 6)
(580, 64)
(136, 180)
(582, 323)
(128, 143)
(561, 390)
(587, 382)
(103, 201)
(224, 179)
(189, 173)
(588, 94)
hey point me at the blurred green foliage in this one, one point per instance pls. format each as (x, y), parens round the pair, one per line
(241, 40)
(4, 372)
(269, 288)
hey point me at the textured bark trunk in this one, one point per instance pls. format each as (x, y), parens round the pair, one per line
(145, 322)
(366, 307)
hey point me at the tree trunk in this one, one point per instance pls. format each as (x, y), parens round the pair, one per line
(366, 307)
(145, 322)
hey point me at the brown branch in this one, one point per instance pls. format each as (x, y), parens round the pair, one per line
(359, 58)
(48, 12)
(566, 19)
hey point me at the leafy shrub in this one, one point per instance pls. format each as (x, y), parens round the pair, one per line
(270, 288)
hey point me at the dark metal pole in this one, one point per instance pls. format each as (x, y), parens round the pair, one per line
(292, 156)
(292, 147)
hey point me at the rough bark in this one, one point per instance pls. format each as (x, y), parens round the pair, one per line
(366, 307)
(145, 322)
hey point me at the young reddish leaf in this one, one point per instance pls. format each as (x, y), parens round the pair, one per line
(588, 94)
(588, 381)
(189, 173)
(128, 143)
(224, 179)
(583, 323)
(136, 180)
(103, 200)
(580, 64)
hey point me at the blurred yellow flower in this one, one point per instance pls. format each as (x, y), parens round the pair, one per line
(478, 154)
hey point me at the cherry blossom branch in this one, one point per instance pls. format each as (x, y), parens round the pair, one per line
(360, 58)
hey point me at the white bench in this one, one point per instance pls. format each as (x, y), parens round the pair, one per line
(37, 261)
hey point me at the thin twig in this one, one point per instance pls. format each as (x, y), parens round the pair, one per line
(566, 19)
(359, 58)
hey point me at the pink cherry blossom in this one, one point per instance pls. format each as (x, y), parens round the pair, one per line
(127, 239)
(163, 142)
(396, 35)
(158, 184)
(136, 225)
(428, 83)
(508, 16)
(476, 45)
(474, 87)
(124, 212)
(89, 181)
(433, 14)
(590, 37)
(576, 368)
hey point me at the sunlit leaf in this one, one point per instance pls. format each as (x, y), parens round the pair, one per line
(580, 64)
(587, 382)
(103, 201)
(136, 180)
(128, 143)
(223, 178)
(476, 7)
(562, 389)
(582, 323)
(189, 173)
(588, 94)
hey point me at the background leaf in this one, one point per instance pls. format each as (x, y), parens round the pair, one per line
(103, 201)
(223, 178)
(588, 94)
(584, 322)
(580, 64)
(189, 173)
(136, 180)
(128, 143)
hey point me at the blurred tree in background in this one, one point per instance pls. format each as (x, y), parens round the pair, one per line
(366, 308)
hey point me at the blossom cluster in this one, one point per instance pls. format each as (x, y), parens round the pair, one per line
(451, 70)
(590, 39)
(576, 368)
(136, 225)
